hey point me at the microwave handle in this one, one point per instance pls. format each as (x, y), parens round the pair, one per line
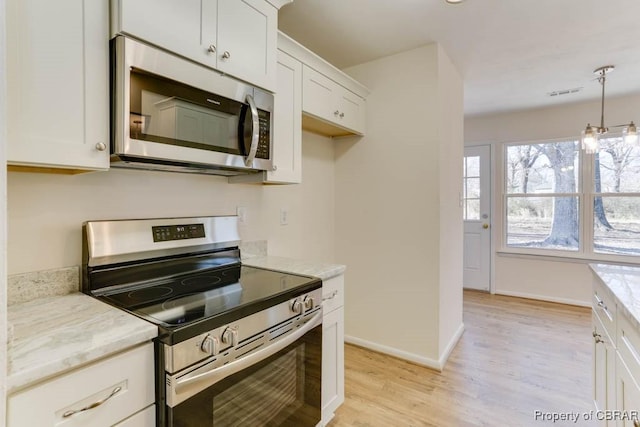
(255, 131)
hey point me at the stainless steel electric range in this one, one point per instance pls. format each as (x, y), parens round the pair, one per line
(237, 345)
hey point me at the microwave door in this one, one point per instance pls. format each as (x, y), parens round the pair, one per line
(249, 130)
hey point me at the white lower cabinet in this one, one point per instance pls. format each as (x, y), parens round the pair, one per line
(332, 347)
(604, 368)
(628, 396)
(118, 389)
(616, 361)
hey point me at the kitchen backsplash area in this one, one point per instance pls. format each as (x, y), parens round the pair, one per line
(25, 287)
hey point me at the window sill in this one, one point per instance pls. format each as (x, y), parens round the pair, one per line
(570, 258)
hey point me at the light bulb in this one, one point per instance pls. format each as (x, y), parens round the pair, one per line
(589, 140)
(630, 134)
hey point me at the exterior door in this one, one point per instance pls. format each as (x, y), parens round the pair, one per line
(476, 201)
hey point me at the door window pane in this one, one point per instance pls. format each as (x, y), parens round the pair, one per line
(471, 188)
(543, 222)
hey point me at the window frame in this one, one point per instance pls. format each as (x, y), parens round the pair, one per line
(586, 198)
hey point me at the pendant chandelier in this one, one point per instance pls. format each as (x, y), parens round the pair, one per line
(592, 134)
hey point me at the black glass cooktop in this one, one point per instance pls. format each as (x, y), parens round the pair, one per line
(210, 297)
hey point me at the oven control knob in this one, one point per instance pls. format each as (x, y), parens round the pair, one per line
(230, 336)
(309, 303)
(209, 345)
(296, 306)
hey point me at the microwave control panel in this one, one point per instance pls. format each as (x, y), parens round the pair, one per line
(264, 142)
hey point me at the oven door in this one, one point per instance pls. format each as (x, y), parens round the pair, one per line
(278, 385)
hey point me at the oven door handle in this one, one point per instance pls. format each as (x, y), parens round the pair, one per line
(192, 383)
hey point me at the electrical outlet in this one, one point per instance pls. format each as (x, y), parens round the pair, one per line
(284, 216)
(241, 211)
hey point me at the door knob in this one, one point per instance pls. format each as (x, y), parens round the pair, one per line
(485, 226)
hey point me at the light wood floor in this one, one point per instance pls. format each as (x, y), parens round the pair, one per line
(516, 356)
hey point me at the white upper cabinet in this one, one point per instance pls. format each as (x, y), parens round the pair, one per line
(57, 84)
(327, 100)
(236, 37)
(333, 103)
(287, 128)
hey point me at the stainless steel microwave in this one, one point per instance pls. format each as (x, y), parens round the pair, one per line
(169, 113)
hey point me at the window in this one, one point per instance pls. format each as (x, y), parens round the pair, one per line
(542, 200)
(559, 200)
(471, 187)
(616, 201)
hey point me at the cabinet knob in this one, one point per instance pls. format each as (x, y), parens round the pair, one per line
(212, 48)
(341, 115)
(274, 168)
(226, 55)
(335, 113)
(101, 146)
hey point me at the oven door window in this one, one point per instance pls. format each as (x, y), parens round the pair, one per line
(169, 112)
(282, 390)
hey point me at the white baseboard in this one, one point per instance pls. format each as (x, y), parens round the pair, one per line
(544, 298)
(411, 357)
(452, 344)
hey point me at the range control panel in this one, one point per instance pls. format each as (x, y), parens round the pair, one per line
(165, 233)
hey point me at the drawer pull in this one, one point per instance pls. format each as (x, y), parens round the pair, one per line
(93, 405)
(332, 296)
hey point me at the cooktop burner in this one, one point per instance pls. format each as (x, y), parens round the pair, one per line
(184, 300)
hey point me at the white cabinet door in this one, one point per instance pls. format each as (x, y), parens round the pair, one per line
(327, 100)
(628, 398)
(352, 109)
(287, 132)
(604, 366)
(186, 27)
(332, 363)
(58, 83)
(247, 35)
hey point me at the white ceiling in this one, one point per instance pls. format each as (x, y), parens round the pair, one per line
(511, 53)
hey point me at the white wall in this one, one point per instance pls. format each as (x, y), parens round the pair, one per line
(554, 280)
(46, 211)
(3, 222)
(390, 195)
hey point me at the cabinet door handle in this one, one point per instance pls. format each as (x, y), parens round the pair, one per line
(212, 48)
(93, 405)
(226, 55)
(101, 146)
(335, 113)
(341, 115)
(332, 296)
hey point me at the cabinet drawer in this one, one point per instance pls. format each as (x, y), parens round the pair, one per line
(45, 404)
(332, 294)
(605, 307)
(146, 418)
(629, 346)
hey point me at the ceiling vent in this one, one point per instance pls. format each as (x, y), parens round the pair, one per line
(565, 91)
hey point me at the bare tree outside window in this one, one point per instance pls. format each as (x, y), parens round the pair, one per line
(544, 201)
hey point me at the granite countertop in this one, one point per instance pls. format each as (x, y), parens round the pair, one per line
(295, 266)
(50, 336)
(624, 284)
